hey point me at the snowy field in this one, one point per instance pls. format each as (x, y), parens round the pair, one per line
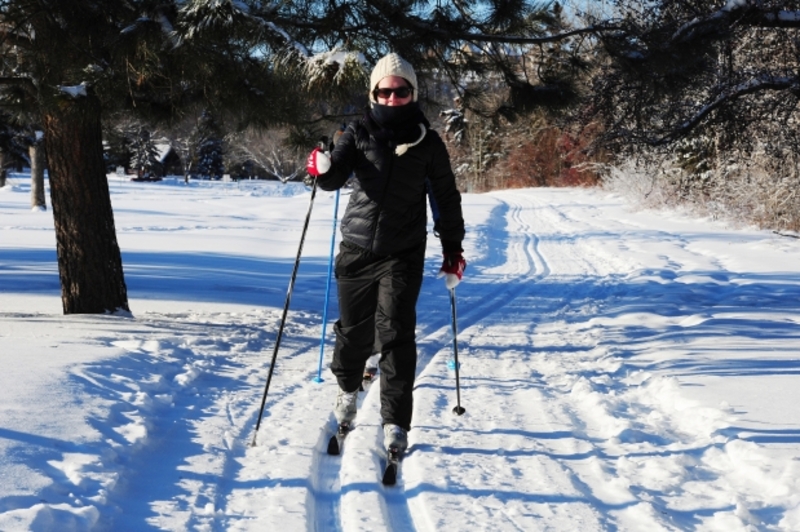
(621, 371)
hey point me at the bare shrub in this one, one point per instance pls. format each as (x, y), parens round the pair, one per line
(265, 153)
(740, 194)
(549, 156)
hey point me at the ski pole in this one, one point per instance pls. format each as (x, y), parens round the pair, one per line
(285, 310)
(458, 409)
(318, 378)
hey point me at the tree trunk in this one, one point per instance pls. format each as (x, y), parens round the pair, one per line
(89, 260)
(36, 153)
(3, 173)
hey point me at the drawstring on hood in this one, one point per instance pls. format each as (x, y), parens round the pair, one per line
(401, 126)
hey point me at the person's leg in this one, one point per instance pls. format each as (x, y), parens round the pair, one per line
(395, 323)
(355, 329)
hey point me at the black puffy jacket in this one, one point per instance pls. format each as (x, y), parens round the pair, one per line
(387, 213)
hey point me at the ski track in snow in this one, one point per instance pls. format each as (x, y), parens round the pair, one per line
(595, 431)
(398, 512)
(202, 387)
(589, 461)
(403, 507)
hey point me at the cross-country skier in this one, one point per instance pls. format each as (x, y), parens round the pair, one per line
(391, 151)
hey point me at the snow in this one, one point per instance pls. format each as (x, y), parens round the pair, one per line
(74, 91)
(337, 57)
(784, 16)
(297, 46)
(733, 5)
(620, 369)
(345, 62)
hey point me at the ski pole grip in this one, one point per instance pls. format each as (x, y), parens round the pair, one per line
(323, 144)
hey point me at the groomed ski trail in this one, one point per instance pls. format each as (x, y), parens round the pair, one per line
(589, 434)
(185, 378)
(489, 292)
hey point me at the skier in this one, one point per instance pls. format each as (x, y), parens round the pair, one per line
(372, 363)
(391, 151)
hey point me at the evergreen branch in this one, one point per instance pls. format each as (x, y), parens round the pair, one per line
(24, 82)
(748, 12)
(764, 82)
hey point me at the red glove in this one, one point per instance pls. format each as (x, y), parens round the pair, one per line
(452, 269)
(318, 162)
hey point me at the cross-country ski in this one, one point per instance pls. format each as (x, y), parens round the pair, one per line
(390, 470)
(337, 440)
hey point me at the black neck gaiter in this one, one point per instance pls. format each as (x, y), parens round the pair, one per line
(395, 124)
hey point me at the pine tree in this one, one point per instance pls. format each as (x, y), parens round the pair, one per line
(37, 156)
(70, 64)
(144, 154)
(208, 147)
(12, 149)
(674, 67)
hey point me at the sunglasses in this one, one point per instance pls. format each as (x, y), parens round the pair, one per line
(400, 92)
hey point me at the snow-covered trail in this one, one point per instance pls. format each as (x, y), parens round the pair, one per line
(576, 418)
(620, 371)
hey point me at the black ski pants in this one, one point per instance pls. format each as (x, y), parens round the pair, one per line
(378, 296)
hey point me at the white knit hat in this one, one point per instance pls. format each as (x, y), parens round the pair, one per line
(392, 65)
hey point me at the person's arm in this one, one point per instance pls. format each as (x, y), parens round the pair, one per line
(434, 207)
(450, 224)
(343, 161)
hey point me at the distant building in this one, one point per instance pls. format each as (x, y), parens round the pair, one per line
(169, 162)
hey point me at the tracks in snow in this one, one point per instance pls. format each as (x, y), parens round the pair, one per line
(570, 442)
(348, 495)
(562, 430)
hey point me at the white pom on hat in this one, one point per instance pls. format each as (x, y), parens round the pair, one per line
(392, 65)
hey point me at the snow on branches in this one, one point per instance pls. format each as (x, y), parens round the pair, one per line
(74, 91)
(336, 67)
